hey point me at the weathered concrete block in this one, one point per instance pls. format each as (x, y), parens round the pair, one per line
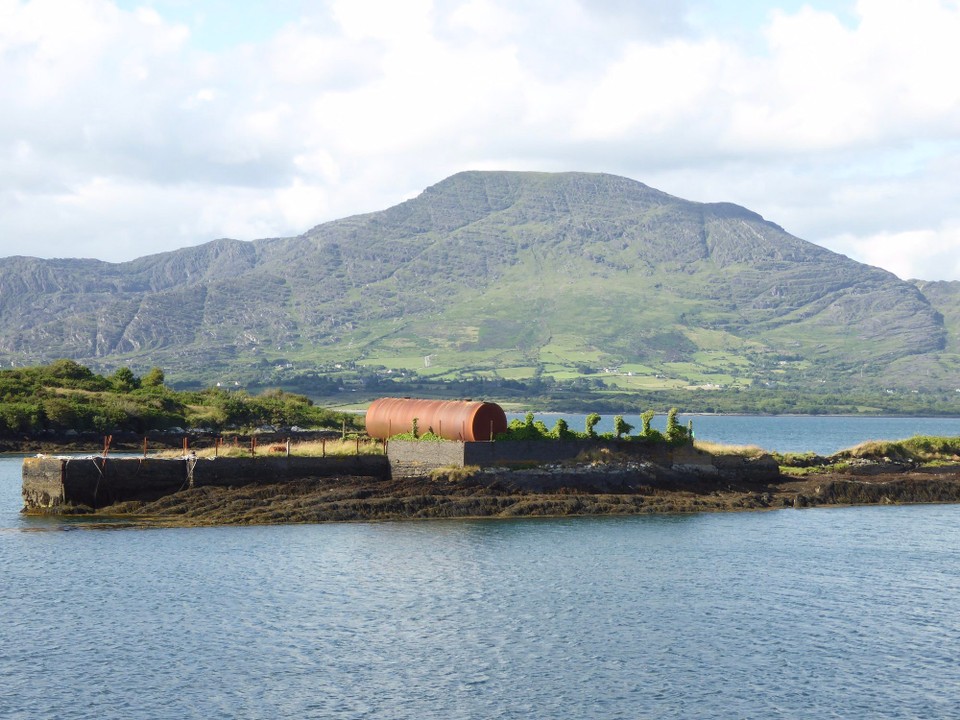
(410, 458)
(42, 483)
(53, 482)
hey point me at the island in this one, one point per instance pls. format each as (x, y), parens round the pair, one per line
(525, 470)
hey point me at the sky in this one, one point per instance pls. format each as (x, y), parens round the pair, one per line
(131, 127)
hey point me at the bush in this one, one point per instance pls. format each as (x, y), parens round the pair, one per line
(621, 427)
(526, 429)
(591, 423)
(646, 418)
(675, 433)
(561, 431)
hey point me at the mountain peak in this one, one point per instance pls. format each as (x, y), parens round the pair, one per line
(486, 271)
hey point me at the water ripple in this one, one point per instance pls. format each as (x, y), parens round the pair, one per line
(841, 613)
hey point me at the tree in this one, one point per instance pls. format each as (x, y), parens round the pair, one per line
(561, 430)
(592, 420)
(123, 380)
(154, 378)
(68, 370)
(646, 419)
(675, 432)
(621, 426)
(60, 413)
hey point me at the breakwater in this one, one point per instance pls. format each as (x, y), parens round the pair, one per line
(53, 484)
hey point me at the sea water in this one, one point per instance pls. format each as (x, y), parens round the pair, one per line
(844, 612)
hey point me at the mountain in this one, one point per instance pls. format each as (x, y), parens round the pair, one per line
(498, 275)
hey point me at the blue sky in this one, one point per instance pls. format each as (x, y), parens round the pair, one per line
(218, 25)
(138, 127)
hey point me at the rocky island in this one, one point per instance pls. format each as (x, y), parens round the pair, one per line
(605, 479)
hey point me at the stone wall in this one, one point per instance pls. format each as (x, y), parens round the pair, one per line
(411, 458)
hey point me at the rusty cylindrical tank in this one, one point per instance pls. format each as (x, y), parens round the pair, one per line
(450, 419)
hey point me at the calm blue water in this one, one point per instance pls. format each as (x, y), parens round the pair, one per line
(839, 613)
(782, 433)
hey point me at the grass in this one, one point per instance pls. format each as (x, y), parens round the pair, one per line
(925, 450)
(918, 449)
(312, 448)
(715, 448)
(454, 473)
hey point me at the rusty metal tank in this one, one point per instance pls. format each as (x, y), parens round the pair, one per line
(450, 419)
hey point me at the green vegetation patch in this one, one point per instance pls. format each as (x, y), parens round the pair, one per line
(918, 449)
(67, 396)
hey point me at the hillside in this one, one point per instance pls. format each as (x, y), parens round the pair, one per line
(56, 402)
(576, 277)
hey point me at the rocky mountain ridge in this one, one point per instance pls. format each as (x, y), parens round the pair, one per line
(498, 274)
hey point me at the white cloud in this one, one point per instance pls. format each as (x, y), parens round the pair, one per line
(928, 254)
(121, 135)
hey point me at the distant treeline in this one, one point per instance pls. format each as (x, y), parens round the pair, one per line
(65, 395)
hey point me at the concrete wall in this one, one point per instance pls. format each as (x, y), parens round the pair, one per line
(247, 471)
(410, 458)
(52, 482)
(42, 483)
(49, 482)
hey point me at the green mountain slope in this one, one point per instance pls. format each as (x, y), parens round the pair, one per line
(494, 275)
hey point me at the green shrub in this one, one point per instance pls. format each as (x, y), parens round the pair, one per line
(675, 433)
(645, 419)
(621, 427)
(591, 423)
